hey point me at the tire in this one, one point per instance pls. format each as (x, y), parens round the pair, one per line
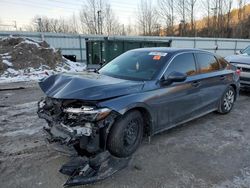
(126, 134)
(227, 101)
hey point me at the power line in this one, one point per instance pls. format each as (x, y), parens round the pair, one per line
(32, 5)
(47, 6)
(115, 3)
(57, 6)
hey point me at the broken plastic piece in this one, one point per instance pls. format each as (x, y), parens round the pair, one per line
(85, 170)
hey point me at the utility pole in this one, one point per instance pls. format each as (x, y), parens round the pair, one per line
(214, 20)
(99, 22)
(39, 21)
(182, 27)
(172, 15)
(15, 25)
(123, 29)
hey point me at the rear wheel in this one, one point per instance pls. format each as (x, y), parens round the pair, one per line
(227, 101)
(126, 134)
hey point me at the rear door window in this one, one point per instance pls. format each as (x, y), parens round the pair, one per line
(183, 63)
(207, 63)
(223, 63)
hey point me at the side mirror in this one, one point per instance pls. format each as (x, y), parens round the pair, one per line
(174, 77)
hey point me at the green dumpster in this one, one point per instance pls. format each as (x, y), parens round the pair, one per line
(103, 50)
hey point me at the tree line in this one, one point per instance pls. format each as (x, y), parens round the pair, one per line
(193, 18)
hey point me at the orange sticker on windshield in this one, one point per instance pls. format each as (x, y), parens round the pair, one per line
(157, 57)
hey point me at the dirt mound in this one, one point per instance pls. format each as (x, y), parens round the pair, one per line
(23, 59)
(23, 53)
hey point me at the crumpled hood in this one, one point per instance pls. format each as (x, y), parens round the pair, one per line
(238, 59)
(88, 86)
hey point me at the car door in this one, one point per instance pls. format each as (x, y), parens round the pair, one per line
(180, 101)
(212, 80)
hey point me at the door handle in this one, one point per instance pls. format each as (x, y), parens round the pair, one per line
(196, 84)
(222, 77)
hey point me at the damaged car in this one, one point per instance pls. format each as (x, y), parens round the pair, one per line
(242, 62)
(102, 116)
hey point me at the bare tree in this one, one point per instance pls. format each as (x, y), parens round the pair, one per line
(97, 17)
(220, 21)
(89, 16)
(74, 24)
(206, 5)
(181, 8)
(166, 12)
(45, 24)
(191, 7)
(241, 7)
(129, 30)
(241, 15)
(112, 25)
(147, 18)
(228, 4)
(214, 8)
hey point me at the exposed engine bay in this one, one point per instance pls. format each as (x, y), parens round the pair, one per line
(83, 128)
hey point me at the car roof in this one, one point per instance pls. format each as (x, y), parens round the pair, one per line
(170, 50)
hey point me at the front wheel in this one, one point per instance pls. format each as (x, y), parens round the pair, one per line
(227, 101)
(126, 134)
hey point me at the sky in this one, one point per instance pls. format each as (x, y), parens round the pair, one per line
(22, 11)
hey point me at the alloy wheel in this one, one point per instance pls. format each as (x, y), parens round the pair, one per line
(228, 100)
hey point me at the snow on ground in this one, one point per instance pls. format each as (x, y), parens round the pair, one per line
(6, 62)
(11, 75)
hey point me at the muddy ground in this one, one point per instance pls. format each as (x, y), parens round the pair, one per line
(212, 151)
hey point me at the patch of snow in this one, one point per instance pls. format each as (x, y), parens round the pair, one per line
(5, 61)
(12, 71)
(50, 48)
(31, 42)
(70, 66)
(31, 74)
(5, 54)
(6, 57)
(26, 41)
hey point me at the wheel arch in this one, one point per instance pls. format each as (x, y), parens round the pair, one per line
(147, 117)
(235, 89)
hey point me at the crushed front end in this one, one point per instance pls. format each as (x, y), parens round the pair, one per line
(83, 128)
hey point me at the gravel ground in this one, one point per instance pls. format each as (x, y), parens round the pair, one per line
(212, 151)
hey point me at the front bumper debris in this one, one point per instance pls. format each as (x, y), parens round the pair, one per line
(83, 170)
(86, 170)
(83, 141)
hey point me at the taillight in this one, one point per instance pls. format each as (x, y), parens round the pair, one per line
(237, 72)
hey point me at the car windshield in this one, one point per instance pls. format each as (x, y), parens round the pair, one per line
(135, 65)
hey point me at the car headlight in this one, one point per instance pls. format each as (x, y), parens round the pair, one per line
(89, 113)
